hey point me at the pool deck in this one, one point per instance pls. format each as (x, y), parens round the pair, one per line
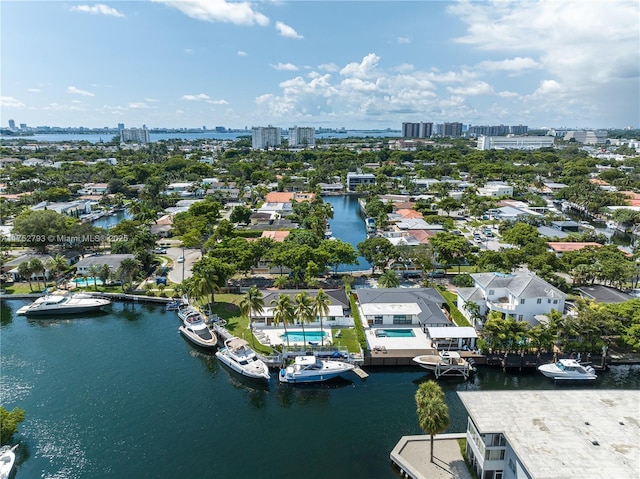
(418, 342)
(272, 336)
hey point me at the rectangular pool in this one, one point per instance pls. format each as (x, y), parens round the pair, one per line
(297, 336)
(395, 333)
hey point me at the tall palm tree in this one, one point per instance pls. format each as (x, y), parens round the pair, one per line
(432, 410)
(94, 271)
(104, 274)
(252, 302)
(129, 267)
(389, 279)
(25, 271)
(37, 267)
(304, 311)
(321, 308)
(57, 264)
(202, 286)
(284, 313)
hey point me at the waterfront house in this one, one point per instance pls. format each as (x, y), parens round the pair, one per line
(111, 260)
(339, 308)
(384, 307)
(66, 208)
(10, 268)
(603, 294)
(566, 226)
(356, 179)
(551, 434)
(520, 296)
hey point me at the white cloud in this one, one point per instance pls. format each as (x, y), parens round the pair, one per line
(238, 13)
(516, 64)
(10, 102)
(329, 67)
(242, 54)
(362, 69)
(77, 91)
(58, 107)
(218, 102)
(188, 51)
(476, 88)
(198, 97)
(98, 9)
(508, 94)
(34, 90)
(287, 31)
(404, 68)
(138, 105)
(403, 40)
(284, 67)
(151, 100)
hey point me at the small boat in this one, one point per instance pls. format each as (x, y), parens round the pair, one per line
(241, 358)
(7, 459)
(195, 330)
(174, 305)
(447, 363)
(311, 369)
(184, 311)
(568, 370)
(63, 303)
(585, 225)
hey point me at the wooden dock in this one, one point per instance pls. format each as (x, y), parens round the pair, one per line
(360, 373)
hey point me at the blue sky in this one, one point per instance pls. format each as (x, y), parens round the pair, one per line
(360, 64)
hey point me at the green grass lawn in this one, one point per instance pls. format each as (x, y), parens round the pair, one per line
(452, 299)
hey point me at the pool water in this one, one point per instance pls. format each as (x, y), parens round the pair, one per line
(395, 333)
(308, 335)
(84, 282)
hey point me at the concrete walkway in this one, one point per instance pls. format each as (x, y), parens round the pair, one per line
(412, 455)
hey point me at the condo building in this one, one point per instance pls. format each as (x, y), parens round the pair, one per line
(302, 137)
(263, 137)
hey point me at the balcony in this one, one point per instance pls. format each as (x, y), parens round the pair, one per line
(502, 305)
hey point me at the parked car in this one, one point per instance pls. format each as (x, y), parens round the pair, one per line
(437, 273)
(180, 259)
(160, 250)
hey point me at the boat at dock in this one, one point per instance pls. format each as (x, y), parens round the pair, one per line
(447, 363)
(241, 358)
(63, 302)
(7, 460)
(312, 369)
(195, 330)
(568, 370)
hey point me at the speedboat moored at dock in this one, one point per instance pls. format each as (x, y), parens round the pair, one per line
(311, 369)
(63, 303)
(241, 358)
(568, 370)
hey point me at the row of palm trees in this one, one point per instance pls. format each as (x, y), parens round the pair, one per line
(303, 309)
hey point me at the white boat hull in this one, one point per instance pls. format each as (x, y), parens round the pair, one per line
(7, 460)
(330, 370)
(52, 305)
(568, 370)
(198, 340)
(254, 370)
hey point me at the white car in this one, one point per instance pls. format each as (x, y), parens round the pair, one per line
(180, 259)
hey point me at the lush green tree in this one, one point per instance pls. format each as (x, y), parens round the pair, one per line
(284, 312)
(213, 273)
(240, 214)
(432, 410)
(303, 311)
(57, 264)
(41, 228)
(252, 302)
(449, 248)
(37, 267)
(9, 421)
(389, 279)
(94, 272)
(377, 251)
(104, 273)
(127, 271)
(25, 271)
(339, 252)
(521, 234)
(321, 304)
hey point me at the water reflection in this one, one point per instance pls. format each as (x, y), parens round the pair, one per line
(6, 314)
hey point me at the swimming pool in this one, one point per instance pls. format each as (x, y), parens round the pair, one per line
(395, 333)
(84, 282)
(296, 336)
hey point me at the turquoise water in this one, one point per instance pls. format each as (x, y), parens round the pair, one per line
(85, 282)
(348, 225)
(123, 395)
(308, 335)
(397, 333)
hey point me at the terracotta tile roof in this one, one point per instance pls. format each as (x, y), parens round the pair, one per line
(278, 236)
(287, 196)
(422, 236)
(406, 213)
(564, 246)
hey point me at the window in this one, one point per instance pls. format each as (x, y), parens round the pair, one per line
(377, 320)
(512, 466)
(401, 319)
(520, 317)
(494, 454)
(549, 301)
(539, 300)
(522, 301)
(555, 301)
(491, 292)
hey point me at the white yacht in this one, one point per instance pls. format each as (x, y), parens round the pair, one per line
(310, 369)
(63, 303)
(7, 459)
(241, 358)
(446, 363)
(196, 331)
(568, 369)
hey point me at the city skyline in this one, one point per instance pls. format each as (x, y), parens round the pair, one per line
(326, 64)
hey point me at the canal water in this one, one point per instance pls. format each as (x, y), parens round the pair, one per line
(348, 225)
(122, 394)
(111, 220)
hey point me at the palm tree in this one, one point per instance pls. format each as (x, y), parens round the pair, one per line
(283, 313)
(304, 311)
(474, 311)
(389, 279)
(280, 282)
(37, 268)
(129, 267)
(203, 287)
(432, 410)
(25, 271)
(57, 264)
(104, 274)
(252, 302)
(321, 308)
(94, 271)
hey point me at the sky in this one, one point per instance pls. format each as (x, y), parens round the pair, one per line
(352, 64)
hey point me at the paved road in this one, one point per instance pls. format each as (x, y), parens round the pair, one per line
(182, 271)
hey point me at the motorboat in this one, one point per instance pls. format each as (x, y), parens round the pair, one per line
(185, 310)
(311, 369)
(445, 363)
(174, 305)
(63, 303)
(568, 369)
(194, 329)
(7, 459)
(237, 354)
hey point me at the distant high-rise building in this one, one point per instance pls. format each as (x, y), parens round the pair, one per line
(452, 130)
(263, 137)
(137, 135)
(302, 136)
(587, 137)
(518, 129)
(514, 142)
(417, 130)
(120, 126)
(12, 124)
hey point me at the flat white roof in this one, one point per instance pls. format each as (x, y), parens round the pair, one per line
(451, 332)
(553, 432)
(373, 309)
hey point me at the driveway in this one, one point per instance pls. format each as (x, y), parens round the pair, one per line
(182, 271)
